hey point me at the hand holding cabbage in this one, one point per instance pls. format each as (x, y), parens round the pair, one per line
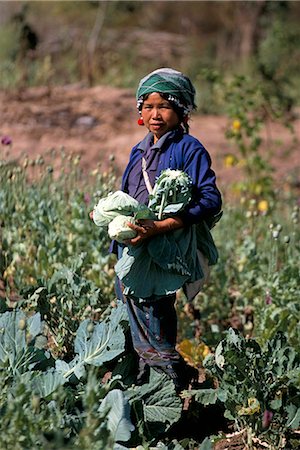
(169, 259)
(146, 229)
(171, 193)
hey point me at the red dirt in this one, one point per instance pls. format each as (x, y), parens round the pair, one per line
(237, 441)
(102, 121)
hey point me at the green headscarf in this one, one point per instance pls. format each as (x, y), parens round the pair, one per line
(168, 81)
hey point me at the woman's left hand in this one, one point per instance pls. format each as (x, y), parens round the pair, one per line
(149, 228)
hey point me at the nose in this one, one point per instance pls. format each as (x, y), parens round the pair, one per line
(156, 113)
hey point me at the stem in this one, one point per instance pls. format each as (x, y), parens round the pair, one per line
(276, 257)
(249, 438)
(162, 205)
(85, 360)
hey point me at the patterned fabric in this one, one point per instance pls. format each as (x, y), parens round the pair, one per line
(168, 81)
(153, 328)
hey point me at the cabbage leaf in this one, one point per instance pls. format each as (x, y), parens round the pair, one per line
(118, 418)
(172, 192)
(158, 398)
(103, 344)
(17, 352)
(164, 263)
(119, 230)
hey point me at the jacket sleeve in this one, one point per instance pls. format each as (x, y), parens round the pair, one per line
(206, 201)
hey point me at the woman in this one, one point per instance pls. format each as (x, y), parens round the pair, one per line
(165, 99)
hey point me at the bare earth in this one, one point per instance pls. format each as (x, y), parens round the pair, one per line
(102, 121)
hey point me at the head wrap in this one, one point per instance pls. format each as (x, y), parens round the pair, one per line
(168, 81)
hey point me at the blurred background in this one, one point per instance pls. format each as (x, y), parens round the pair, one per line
(69, 71)
(117, 42)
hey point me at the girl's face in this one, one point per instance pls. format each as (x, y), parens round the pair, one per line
(159, 116)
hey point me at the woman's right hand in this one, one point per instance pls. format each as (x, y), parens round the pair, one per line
(146, 229)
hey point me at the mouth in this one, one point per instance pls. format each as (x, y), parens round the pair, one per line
(157, 125)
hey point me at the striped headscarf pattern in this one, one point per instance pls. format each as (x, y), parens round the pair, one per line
(168, 81)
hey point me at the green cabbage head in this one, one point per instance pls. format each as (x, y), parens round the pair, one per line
(115, 204)
(119, 230)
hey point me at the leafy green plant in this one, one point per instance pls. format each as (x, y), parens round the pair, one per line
(258, 386)
(171, 193)
(64, 301)
(256, 274)
(281, 310)
(156, 406)
(31, 382)
(53, 401)
(65, 349)
(245, 105)
(46, 223)
(249, 107)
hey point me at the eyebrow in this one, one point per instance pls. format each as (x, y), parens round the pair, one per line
(164, 102)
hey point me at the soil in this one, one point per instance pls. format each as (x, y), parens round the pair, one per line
(99, 122)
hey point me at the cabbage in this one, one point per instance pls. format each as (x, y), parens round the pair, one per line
(171, 193)
(115, 204)
(167, 261)
(118, 229)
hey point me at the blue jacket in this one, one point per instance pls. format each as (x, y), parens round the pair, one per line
(184, 152)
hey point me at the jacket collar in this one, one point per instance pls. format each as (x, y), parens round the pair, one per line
(149, 138)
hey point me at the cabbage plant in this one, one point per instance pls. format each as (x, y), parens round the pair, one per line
(171, 193)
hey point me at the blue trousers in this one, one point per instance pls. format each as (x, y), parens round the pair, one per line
(153, 327)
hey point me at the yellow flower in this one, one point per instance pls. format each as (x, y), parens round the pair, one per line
(193, 353)
(253, 407)
(229, 160)
(236, 126)
(263, 206)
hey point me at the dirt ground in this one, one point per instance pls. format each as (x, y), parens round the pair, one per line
(102, 121)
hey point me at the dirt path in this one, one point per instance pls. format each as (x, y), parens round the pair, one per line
(102, 121)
